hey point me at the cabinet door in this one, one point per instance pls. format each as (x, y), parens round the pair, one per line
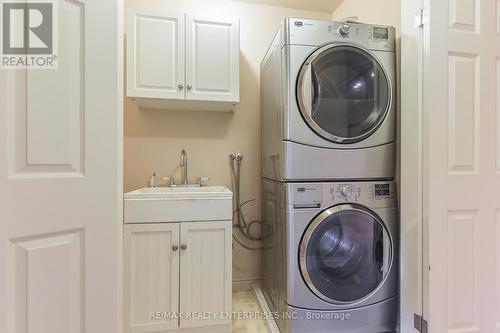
(212, 59)
(156, 54)
(151, 276)
(205, 270)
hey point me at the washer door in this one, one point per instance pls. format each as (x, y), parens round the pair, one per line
(343, 93)
(345, 254)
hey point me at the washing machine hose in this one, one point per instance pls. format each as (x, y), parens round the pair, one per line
(236, 180)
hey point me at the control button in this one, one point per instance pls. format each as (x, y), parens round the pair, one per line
(344, 30)
(346, 191)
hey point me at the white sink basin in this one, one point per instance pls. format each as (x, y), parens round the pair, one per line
(178, 191)
(178, 204)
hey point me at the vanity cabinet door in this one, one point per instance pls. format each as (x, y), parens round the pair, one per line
(206, 263)
(156, 57)
(151, 276)
(212, 59)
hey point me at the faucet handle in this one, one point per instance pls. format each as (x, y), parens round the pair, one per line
(171, 180)
(200, 180)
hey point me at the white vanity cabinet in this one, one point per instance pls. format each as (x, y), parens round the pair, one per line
(151, 276)
(176, 268)
(176, 262)
(182, 61)
(205, 270)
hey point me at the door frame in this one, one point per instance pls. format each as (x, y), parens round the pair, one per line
(120, 103)
(413, 225)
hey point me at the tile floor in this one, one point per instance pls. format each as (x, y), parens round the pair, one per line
(246, 302)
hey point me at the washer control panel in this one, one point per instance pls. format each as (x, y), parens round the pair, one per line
(319, 195)
(303, 196)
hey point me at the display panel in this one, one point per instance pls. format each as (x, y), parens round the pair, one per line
(380, 33)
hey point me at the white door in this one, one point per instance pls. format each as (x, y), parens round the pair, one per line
(206, 264)
(212, 59)
(461, 207)
(61, 180)
(151, 253)
(155, 54)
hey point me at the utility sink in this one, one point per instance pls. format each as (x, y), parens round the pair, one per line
(178, 204)
(179, 191)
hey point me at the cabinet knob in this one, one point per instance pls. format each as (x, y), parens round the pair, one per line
(184, 246)
(180, 86)
(175, 248)
(189, 87)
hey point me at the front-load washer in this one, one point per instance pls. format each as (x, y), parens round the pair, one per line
(329, 102)
(331, 263)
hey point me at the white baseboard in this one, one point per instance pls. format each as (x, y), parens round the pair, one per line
(271, 323)
(244, 284)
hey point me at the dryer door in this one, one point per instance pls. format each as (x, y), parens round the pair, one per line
(345, 254)
(343, 93)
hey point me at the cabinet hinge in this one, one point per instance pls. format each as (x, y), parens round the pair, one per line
(420, 323)
(421, 18)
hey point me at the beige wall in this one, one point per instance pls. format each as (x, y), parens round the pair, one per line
(154, 139)
(384, 12)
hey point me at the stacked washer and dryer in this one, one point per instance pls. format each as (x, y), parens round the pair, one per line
(330, 255)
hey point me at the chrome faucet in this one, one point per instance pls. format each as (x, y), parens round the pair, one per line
(184, 165)
(184, 175)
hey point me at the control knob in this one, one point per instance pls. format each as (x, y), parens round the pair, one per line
(346, 191)
(344, 30)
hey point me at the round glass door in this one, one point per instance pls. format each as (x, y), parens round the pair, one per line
(343, 93)
(345, 254)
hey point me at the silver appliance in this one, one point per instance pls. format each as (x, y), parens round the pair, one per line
(330, 263)
(329, 102)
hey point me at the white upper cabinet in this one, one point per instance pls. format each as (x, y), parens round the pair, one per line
(212, 59)
(156, 66)
(179, 61)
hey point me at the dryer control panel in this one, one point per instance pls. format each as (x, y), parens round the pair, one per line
(316, 32)
(321, 195)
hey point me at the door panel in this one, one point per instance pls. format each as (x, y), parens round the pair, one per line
(61, 180)
(461, 183)
(151, 276)
(47, 134)
(464, 15)
(49, 111)
(463, 113)
(497, 98)
(156, 54)
(42, 265)
(206, 265)
(212, 59)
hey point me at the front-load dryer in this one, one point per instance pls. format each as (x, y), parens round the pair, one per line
(329, 102)
(339, 244)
